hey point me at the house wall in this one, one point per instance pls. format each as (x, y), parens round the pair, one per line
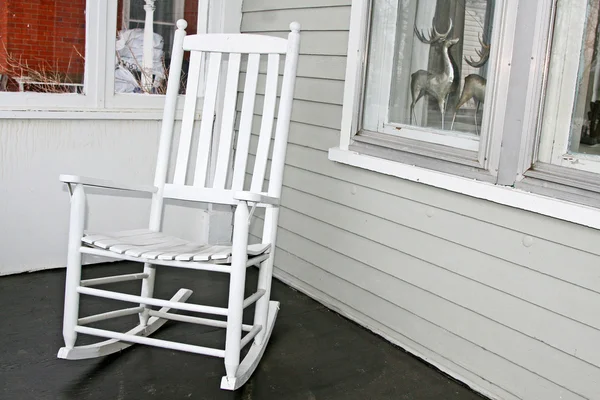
(34, 204)
(505, 300)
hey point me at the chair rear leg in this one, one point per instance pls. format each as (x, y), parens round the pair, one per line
(147, 291)
(261, 311)
(265, 276)
(236, 291)
(73, 279)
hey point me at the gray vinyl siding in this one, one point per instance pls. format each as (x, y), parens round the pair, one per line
(445, 276)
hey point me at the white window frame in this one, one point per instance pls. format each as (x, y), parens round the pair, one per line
(99, 100)
(561, 92)
(481, 153)
(511, 151)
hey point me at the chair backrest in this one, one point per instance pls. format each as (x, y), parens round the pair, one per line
(224, 55)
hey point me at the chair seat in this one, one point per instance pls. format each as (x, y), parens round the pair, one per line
(150, 245)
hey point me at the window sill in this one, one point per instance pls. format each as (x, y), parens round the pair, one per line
(508, 196)
(89, 114)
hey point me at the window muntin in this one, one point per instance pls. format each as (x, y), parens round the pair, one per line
(400, 63)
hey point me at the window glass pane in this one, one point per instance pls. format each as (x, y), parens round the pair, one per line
(129, 77)
(585, 122)
(42, 46)
(427, 66)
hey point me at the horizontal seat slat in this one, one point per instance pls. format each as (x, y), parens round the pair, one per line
(150, 245)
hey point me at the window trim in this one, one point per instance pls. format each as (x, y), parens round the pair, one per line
(488, 145)
(522, 128)
(23, 101)
(99, 99)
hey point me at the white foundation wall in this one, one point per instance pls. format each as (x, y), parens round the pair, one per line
(504, 300)
(34, 204)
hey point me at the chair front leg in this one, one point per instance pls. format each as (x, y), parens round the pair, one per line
(76, 225)
(236, 290)
(147, 291)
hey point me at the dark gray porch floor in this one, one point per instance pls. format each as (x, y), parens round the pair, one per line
(313, 354)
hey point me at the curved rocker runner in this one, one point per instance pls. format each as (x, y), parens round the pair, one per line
(223, 54)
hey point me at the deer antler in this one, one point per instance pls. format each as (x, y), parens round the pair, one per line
(483, 54)
(434, 35)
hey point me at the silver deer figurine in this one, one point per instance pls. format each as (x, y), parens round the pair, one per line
(437, 84)
(474, 86)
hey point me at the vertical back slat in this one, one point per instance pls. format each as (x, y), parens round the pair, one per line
(228, 120)
(208, 112)
(187, 123)
(266, 127)
(243, 142)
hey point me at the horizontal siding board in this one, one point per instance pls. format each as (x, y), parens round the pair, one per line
(308, 112)
(481, 361)
(310, 19)
(457, 371)
(313, 66)
(574, 303)
(539, 227)
(536, 322)
(270, 5)
(309, 89)
(558, 231)
(582, 305)
(329, 43)
(533, 355)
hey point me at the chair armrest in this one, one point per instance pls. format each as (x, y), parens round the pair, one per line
(103, 183)
(256, 198)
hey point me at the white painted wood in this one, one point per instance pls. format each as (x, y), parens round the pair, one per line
(580, 214)
(208, 112)
(236, 291)
(187, 124)
(266, 127)
(253, 298)
(148, 245)
(227, 124)
(71, 307)
(276, 176)
(177, 264)
(243, 141)
(268, 5)
(415, 265)
(112, 346)
(195, 320)
(250, 362)
(86, 181)
(165, 344)
(229, 43)
(152, 301)
(208, 195)
(154, 247)
(250, 335)
(311, 19)
(112, 279)
(109, 315)
(505, 269)
(453, 354)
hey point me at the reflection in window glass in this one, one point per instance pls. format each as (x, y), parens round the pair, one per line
(129, 73)
(42, 46)
(437, 52)
(585, 124)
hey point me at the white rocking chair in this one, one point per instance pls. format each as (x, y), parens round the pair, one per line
(152, 247)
